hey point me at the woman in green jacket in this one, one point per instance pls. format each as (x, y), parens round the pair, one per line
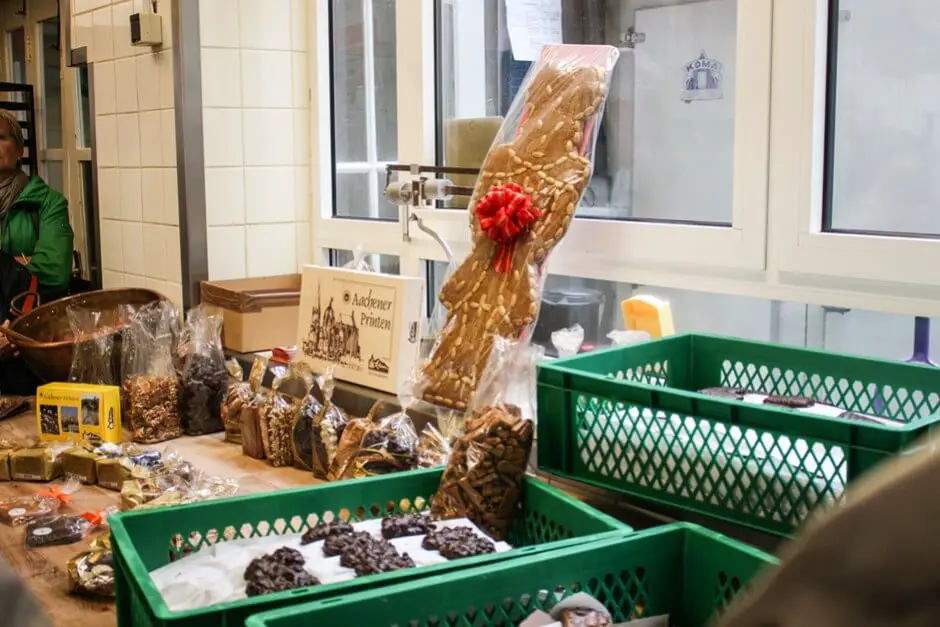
(36, 236)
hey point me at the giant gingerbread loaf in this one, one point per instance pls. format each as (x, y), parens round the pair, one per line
(524, 200)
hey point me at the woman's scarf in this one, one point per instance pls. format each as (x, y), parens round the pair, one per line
(11, 187)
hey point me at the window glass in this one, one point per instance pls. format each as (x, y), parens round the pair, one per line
(51, 83)
(884, 140)
(665, 149)
(596, 306)
(387, 264)
(53, 176)
(84, 108)
(365, 129)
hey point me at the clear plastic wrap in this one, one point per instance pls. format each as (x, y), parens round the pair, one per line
(238, 394)
(149, 384)
(24, 509)
(278, 411)
(434, 448)
(93, 348)
(91, 572)
(204, 380)
(37, 461)
(328, 423)
(252, 442)
(524, 200)
(568, 342)
(318, 426)
(483, 478)
(63, 529)
(390, 446)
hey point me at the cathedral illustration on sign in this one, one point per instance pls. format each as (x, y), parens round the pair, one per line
(331, 336)
(334, 337)
(702, 79)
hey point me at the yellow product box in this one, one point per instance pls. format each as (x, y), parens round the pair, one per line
(74, 412)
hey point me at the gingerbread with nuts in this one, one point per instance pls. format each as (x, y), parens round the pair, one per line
(524, 200)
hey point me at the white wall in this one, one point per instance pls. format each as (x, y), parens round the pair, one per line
(135, 141)
(256, 118)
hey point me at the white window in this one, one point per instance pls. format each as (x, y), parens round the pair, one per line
(755, 156)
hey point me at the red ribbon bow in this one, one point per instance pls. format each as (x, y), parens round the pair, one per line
(504, 213)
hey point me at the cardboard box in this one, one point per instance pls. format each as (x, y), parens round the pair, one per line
(73, 412)
(367, 324)
(257, 314)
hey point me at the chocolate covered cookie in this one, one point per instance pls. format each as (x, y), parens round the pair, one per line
(374, 556)
(337, 544)
(281, 570)
(457, 542)
(324, 530)
(405, 525)
(792, 402)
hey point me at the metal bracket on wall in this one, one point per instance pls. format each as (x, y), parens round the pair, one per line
(631, 38)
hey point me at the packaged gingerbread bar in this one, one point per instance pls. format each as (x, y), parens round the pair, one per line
(328, 423)
(148, 378)
(204, 381)
(302, 431)
(39, 462)
(23, 509)
(525, 198)
(250, 418)
(6, 448)
(237, 395)
(278, 410)
(483, 478)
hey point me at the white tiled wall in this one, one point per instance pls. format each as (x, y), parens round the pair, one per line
(255, 124)
(136, 146)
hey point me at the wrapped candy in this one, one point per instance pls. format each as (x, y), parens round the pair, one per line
(62, 529)
(524, 201)
(91, 572)
(23, 509)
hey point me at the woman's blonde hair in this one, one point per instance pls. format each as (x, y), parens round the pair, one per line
(16, 133)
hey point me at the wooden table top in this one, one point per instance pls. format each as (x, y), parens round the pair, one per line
(44, 569)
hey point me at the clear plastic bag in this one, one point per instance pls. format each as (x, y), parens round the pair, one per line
(23, 509)
(434, 448)
(278, 411)
(205, 380)
(238, 395)
(252, 442)
(148, 377)
(91, 572)
(531, 181)
(483, 478)
(93, 347)
(63, 529)
(318, 427)
(391, 446)
(328, 423)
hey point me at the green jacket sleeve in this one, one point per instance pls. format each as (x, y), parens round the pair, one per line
(51, 261)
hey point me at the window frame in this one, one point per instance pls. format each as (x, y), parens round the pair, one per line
(772, 250)
(887, 265)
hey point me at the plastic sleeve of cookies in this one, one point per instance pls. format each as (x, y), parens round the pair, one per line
(524, 200)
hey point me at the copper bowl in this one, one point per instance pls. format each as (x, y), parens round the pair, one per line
(44, 338)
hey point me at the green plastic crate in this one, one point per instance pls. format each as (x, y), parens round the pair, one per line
(146, 540)
(629, 419)
(682, 570)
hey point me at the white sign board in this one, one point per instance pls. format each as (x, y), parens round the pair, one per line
(368, 325)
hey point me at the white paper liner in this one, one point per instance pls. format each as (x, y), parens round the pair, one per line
(215, 574)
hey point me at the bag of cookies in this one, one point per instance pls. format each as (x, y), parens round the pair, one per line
(433, 448)
(277, 412)
(349, 444)
(91, 572)
(483, 479)
(148, 378)
(530, 182)
(93, 347)
(23, 509)
(250, 418)
(204, 380)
